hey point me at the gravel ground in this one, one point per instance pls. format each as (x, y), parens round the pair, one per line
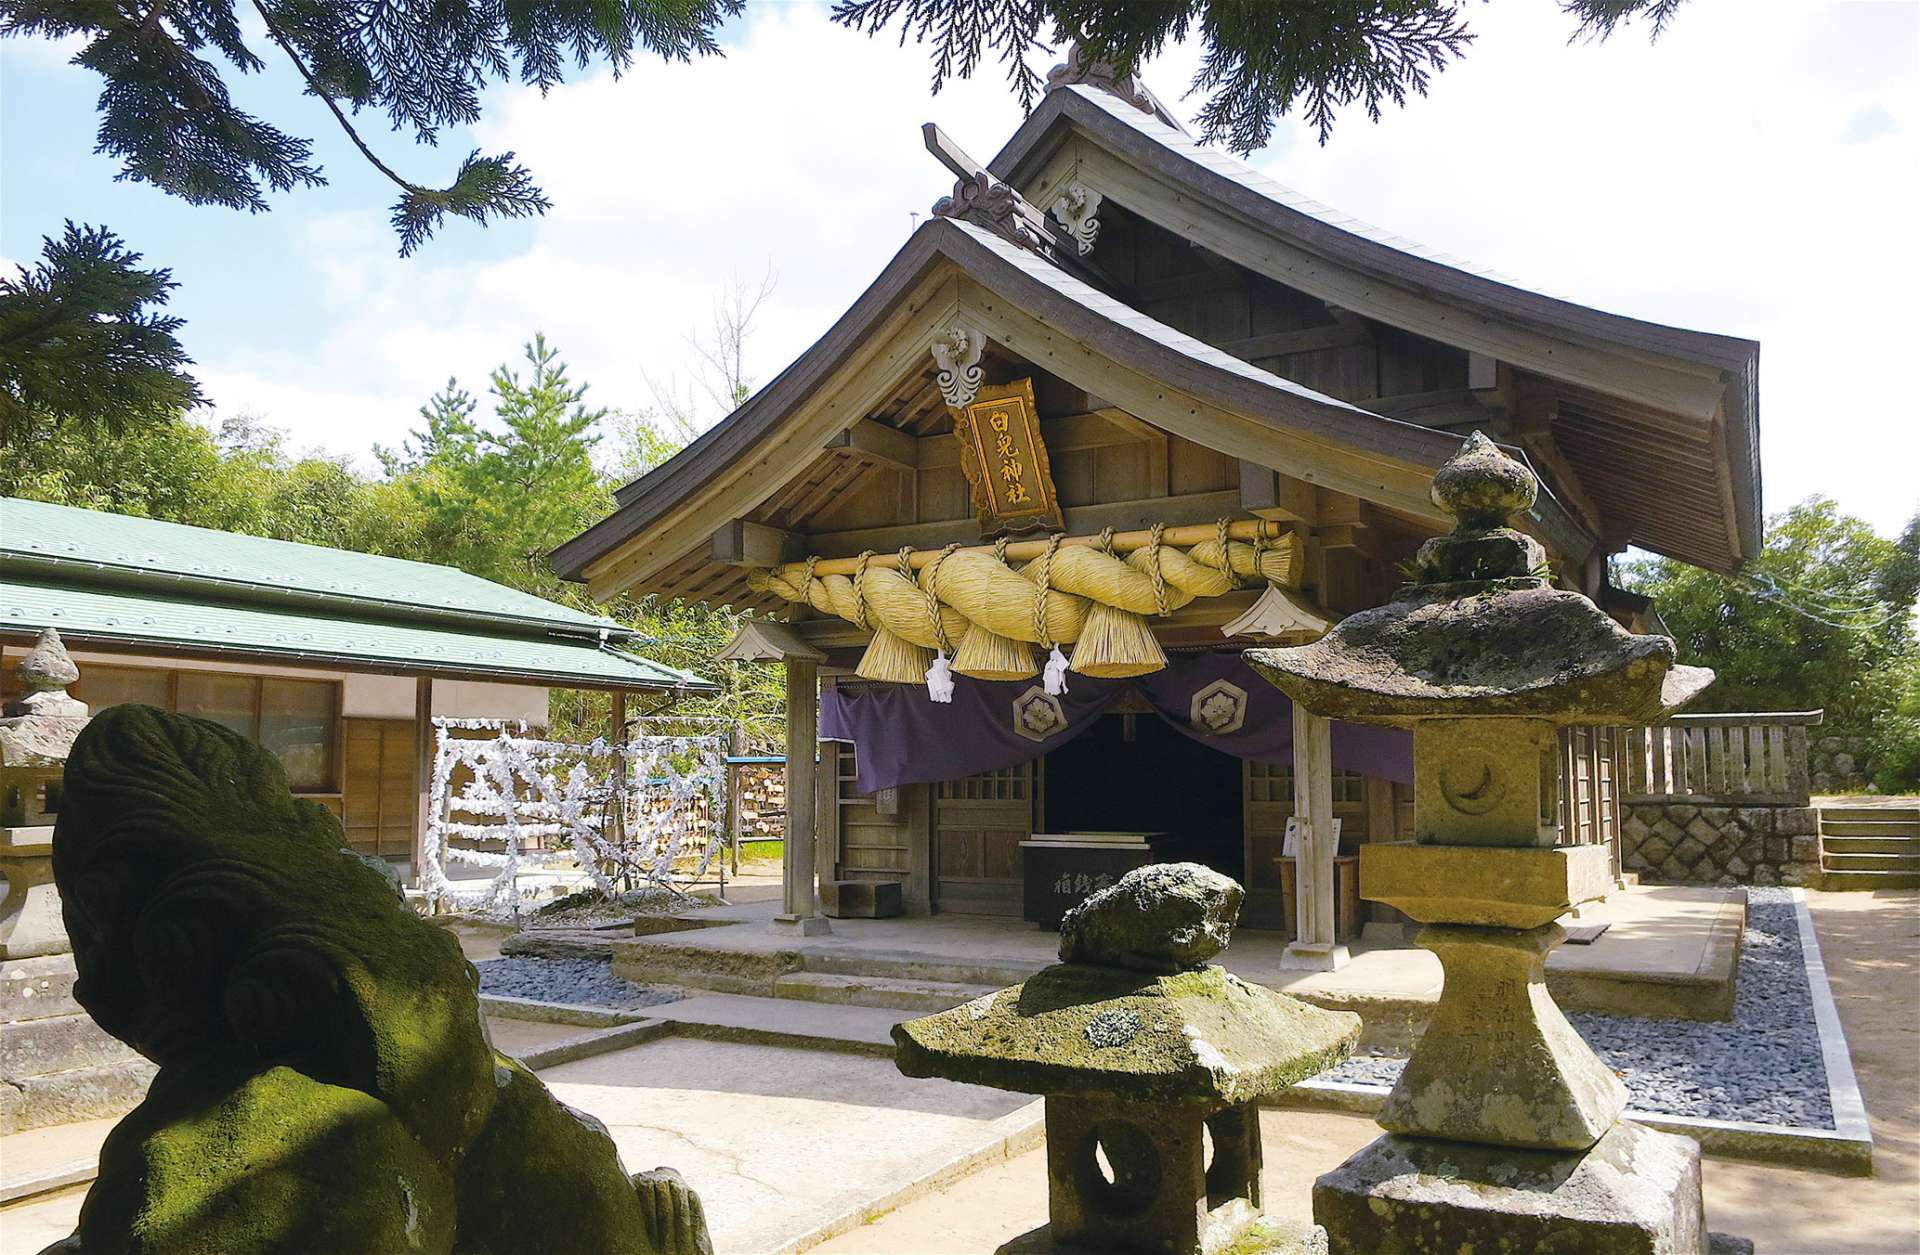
(1762, 1066)
(584, 982)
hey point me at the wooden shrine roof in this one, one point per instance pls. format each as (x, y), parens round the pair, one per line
(1661, 423)
(771, 454)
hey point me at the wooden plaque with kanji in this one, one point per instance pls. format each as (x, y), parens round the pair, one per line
(1005, 461)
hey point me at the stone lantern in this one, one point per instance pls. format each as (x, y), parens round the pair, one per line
(35, 734)
(1145, 1053)
(1484, 660)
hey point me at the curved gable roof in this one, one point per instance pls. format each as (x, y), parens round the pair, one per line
(1058, 300)
(1146, 143)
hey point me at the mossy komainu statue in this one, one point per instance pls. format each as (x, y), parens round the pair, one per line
(326, 1083)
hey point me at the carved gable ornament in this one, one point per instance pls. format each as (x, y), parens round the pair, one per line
(1005, 460)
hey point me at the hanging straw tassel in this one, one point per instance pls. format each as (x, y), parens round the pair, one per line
(987, 656)
(1116, 645)
(894, 660)
(889, 657)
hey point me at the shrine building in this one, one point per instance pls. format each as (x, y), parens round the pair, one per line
(1122, 408)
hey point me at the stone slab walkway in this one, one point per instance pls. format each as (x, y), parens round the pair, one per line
(788, 1146)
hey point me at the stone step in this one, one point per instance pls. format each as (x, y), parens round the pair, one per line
(1870, 828)
(60, 1044)
(35, 1102)
(1887, 814)
(1845, 880)
(1870, 845)
(1833, 862)
(877, 991)
(782, 1022)
(914, 966)
(561, 943)
(752, 972)
(37, 989)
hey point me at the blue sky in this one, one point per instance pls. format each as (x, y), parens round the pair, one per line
(1755, 177)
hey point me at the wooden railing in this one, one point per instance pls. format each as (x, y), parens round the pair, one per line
(1752, 759)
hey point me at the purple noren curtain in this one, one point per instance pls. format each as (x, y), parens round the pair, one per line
(902, 737)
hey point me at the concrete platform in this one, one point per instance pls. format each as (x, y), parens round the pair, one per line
(1668, 951)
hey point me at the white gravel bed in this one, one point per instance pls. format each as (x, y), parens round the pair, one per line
(1763, 1066)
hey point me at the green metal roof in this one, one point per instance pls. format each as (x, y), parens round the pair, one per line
(108, 579)
(119, 549)
(138, 618)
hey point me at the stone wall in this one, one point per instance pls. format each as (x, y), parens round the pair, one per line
(1840, 763)
(1684, 843)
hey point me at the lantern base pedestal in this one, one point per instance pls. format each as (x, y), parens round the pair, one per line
(1269, 1236)
(1636, 1192)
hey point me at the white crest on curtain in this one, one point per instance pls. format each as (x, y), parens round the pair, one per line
(522, 788)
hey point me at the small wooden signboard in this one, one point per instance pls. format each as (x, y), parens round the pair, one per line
(1005, 461)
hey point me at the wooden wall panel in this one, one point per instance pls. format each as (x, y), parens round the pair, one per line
(379, 790)
(1195, 468)
(978, 825)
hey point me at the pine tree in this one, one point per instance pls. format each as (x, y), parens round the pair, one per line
(83, 342)
(499, 496)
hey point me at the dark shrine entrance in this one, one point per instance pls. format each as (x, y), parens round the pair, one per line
(1133, 773)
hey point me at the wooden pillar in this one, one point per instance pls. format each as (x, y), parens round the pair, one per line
(736, 748)
(800, 898)
(422, 768)
(617, 716)
(1314, 947)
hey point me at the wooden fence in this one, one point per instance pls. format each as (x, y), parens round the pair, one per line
(1753, 759)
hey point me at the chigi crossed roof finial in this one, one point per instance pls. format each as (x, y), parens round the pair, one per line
(980, 198)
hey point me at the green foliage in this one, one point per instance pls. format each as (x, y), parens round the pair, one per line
(1260, 60)
(1896, 736)
(1822, 618)
(83, 342)
(497, 498)
(490, 496)
(165, 112)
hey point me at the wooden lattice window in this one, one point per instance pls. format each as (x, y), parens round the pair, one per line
(1004, 784)
(1270, 782)
(1273, 782)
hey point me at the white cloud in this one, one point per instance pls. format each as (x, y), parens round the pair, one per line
(800, 152)
(1739, 176)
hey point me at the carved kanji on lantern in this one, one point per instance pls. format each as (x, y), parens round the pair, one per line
(1005, 460)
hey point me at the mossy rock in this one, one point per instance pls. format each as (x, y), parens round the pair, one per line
(325, 1082)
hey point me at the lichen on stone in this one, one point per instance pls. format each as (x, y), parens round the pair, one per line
(1114, 1027)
